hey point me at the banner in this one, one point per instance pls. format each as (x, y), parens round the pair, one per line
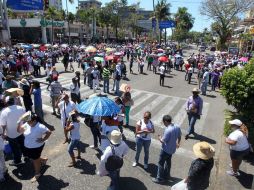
(25, 5)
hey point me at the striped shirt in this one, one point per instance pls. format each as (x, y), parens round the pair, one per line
(105, 73)
(56, 88)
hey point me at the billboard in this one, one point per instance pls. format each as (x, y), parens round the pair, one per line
(25, 5)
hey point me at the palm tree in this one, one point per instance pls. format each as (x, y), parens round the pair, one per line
(104, 18)
(67, 13)
(162, 12)
(52, 14)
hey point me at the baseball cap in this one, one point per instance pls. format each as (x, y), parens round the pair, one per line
(236, 122)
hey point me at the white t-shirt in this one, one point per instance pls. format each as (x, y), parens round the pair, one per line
(242, 142)
(32, 134)
(75, 135)
(74, 89)
(66, 109)
(162, 70)
(145, 126)
(9, 118)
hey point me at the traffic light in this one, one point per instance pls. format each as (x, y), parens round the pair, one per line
(46, 4)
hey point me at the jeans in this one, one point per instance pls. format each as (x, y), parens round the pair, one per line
(192, 120)
(96, 133)
(189, 77)
(74, 143)
(106, 85)
(204, 87)
(115, 178)
(39, 112)
(164, 166)
(95, 83)
(17, 146)
(162, 80)
(117, 87)
(127, 114)
(146, 144)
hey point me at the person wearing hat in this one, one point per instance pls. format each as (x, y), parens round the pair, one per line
(35, 135)
(194, 106)
(8, 121)
(200, 169)
(119, 148)
(205, 81)
(238, 145)
(9, 83)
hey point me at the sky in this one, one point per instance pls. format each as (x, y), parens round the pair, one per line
(193, 6)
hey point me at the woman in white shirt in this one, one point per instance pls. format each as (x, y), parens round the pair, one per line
(144, 128)
(35, 136)
(75, 91)
(239, 145)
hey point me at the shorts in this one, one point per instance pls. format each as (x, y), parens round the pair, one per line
(34, 153)
(238, 155)
(74, 143)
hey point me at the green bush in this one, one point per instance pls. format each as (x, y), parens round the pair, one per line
(238, 90)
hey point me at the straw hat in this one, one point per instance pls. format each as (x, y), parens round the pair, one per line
(195, 90)
(26, 117)
(17, 91)
(115, 137)
(203, 150)
(24, 82)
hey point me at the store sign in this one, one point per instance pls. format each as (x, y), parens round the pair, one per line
(25, 5)
(45, 23)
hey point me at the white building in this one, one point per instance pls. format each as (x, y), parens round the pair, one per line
(56, 3)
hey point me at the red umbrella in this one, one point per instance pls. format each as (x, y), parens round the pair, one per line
(109, 57)
(163, 59)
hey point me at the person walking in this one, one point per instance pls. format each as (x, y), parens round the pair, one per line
(194, 106)
(75, 91)
(144, 128)
(95, 76)
(35, 135)
(106, 76)
(131, 64)
(56, 90)
(238, 145)
(204, 82)
(107, 166)
(8, 121)
(94, 125)
(162, 74)
(25, 86)
(200, 169)
(170, 141)
(117, 78)
(73, 127)
(128, 102)
(66, 107)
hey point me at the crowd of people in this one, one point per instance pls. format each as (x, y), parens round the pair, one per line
(22, 121)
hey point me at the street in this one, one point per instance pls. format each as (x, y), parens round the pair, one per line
(148, 96)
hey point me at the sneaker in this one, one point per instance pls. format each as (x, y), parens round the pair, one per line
(145, 166)
(15, 164)
(232, 173)
(134, 164)
(157, 180)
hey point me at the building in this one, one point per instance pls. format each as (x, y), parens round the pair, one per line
(87, 4)
(56, 3)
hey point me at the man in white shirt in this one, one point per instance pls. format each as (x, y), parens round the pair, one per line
(8, 120)
(66, 106)
(117, 148)
(95, 74)
(162, 74)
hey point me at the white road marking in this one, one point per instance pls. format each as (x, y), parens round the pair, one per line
(165, 110)
(137, 102)
(180, 116)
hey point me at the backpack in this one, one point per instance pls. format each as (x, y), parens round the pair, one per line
(118, 77)
(114, 162)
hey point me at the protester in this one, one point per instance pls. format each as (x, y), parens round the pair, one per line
(36, 91)
(35, 135)
(75, 91)
(8, 121)
(94, 125)
(144, 128)
(239, 146)
(95, 74)
(106, 76)
(194, 106)
(128, 102)
(66, 107)
(112, 169)
(56, 90)
(162, 74)
(74, 126)
(170, 141)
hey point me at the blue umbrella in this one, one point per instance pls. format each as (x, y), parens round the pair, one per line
(98, 106)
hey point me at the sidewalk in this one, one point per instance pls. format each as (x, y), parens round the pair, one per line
(225, 182)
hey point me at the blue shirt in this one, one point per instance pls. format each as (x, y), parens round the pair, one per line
(37, 97)
(170, 136)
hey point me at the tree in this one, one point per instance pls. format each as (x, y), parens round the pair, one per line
(194, 36)
(184, 23)
(223, 12)
(52, 14)
(71, 17)
(162, 12)
(104, 18)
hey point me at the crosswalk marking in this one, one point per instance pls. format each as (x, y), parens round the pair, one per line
(150, 106)
(143, 100)
(165, 110)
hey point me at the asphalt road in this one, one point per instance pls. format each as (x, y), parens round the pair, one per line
(148, 95)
